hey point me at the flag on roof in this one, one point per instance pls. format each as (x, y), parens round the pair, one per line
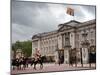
(70, 11)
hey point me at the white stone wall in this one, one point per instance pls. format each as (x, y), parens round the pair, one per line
(72, 40)
(48, 44)
(85, 57)
(92, 36)
(78, 40)
(34, 46)
(60, 42)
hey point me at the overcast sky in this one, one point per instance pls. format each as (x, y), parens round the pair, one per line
(29, 18)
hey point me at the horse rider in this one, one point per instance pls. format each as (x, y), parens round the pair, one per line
(37, 55)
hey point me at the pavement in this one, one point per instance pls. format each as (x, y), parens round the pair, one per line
(51, 67)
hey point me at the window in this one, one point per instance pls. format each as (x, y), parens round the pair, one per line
(49, 42)
(77, 36)
(49, 47)
(91, 34)
(71, 35)
(92, 41)
(53, 41)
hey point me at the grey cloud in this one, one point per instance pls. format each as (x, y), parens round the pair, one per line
(29, 18)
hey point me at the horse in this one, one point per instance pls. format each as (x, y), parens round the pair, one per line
(15, 63)
(37, 61)
(22, 63)
(25, 62)
(18, 63)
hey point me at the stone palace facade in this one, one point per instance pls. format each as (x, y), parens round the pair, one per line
(73, 35)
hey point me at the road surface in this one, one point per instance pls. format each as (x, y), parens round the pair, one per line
(53, 68)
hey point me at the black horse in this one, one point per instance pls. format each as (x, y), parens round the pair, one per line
(40, 61)
(22, 63)
(18, 63)
(15, 63)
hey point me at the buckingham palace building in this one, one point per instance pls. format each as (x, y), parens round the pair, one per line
(73, 41)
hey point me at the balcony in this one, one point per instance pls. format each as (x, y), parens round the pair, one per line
(85, 43)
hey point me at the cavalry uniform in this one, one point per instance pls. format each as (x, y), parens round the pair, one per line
(37, 55)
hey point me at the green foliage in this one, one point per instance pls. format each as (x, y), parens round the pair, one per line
(26, 47)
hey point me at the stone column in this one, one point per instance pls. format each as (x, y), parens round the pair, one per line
(66, 55)
(56, 52)
(56, 57)
(85, 56)
(32, 49)
(39, 44)
(67, 47)
(85, 45)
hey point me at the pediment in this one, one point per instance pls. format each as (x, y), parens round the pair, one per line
(68, 25)
(72, 23)
(64, 27)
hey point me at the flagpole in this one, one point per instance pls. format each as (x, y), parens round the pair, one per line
(72, 17)
(73, 14)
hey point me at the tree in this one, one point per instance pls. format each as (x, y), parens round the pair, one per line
(16, 46)
(26, 47)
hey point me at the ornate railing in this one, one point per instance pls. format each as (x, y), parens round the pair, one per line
(85, 42)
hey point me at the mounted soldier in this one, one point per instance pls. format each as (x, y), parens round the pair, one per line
(37, 55)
